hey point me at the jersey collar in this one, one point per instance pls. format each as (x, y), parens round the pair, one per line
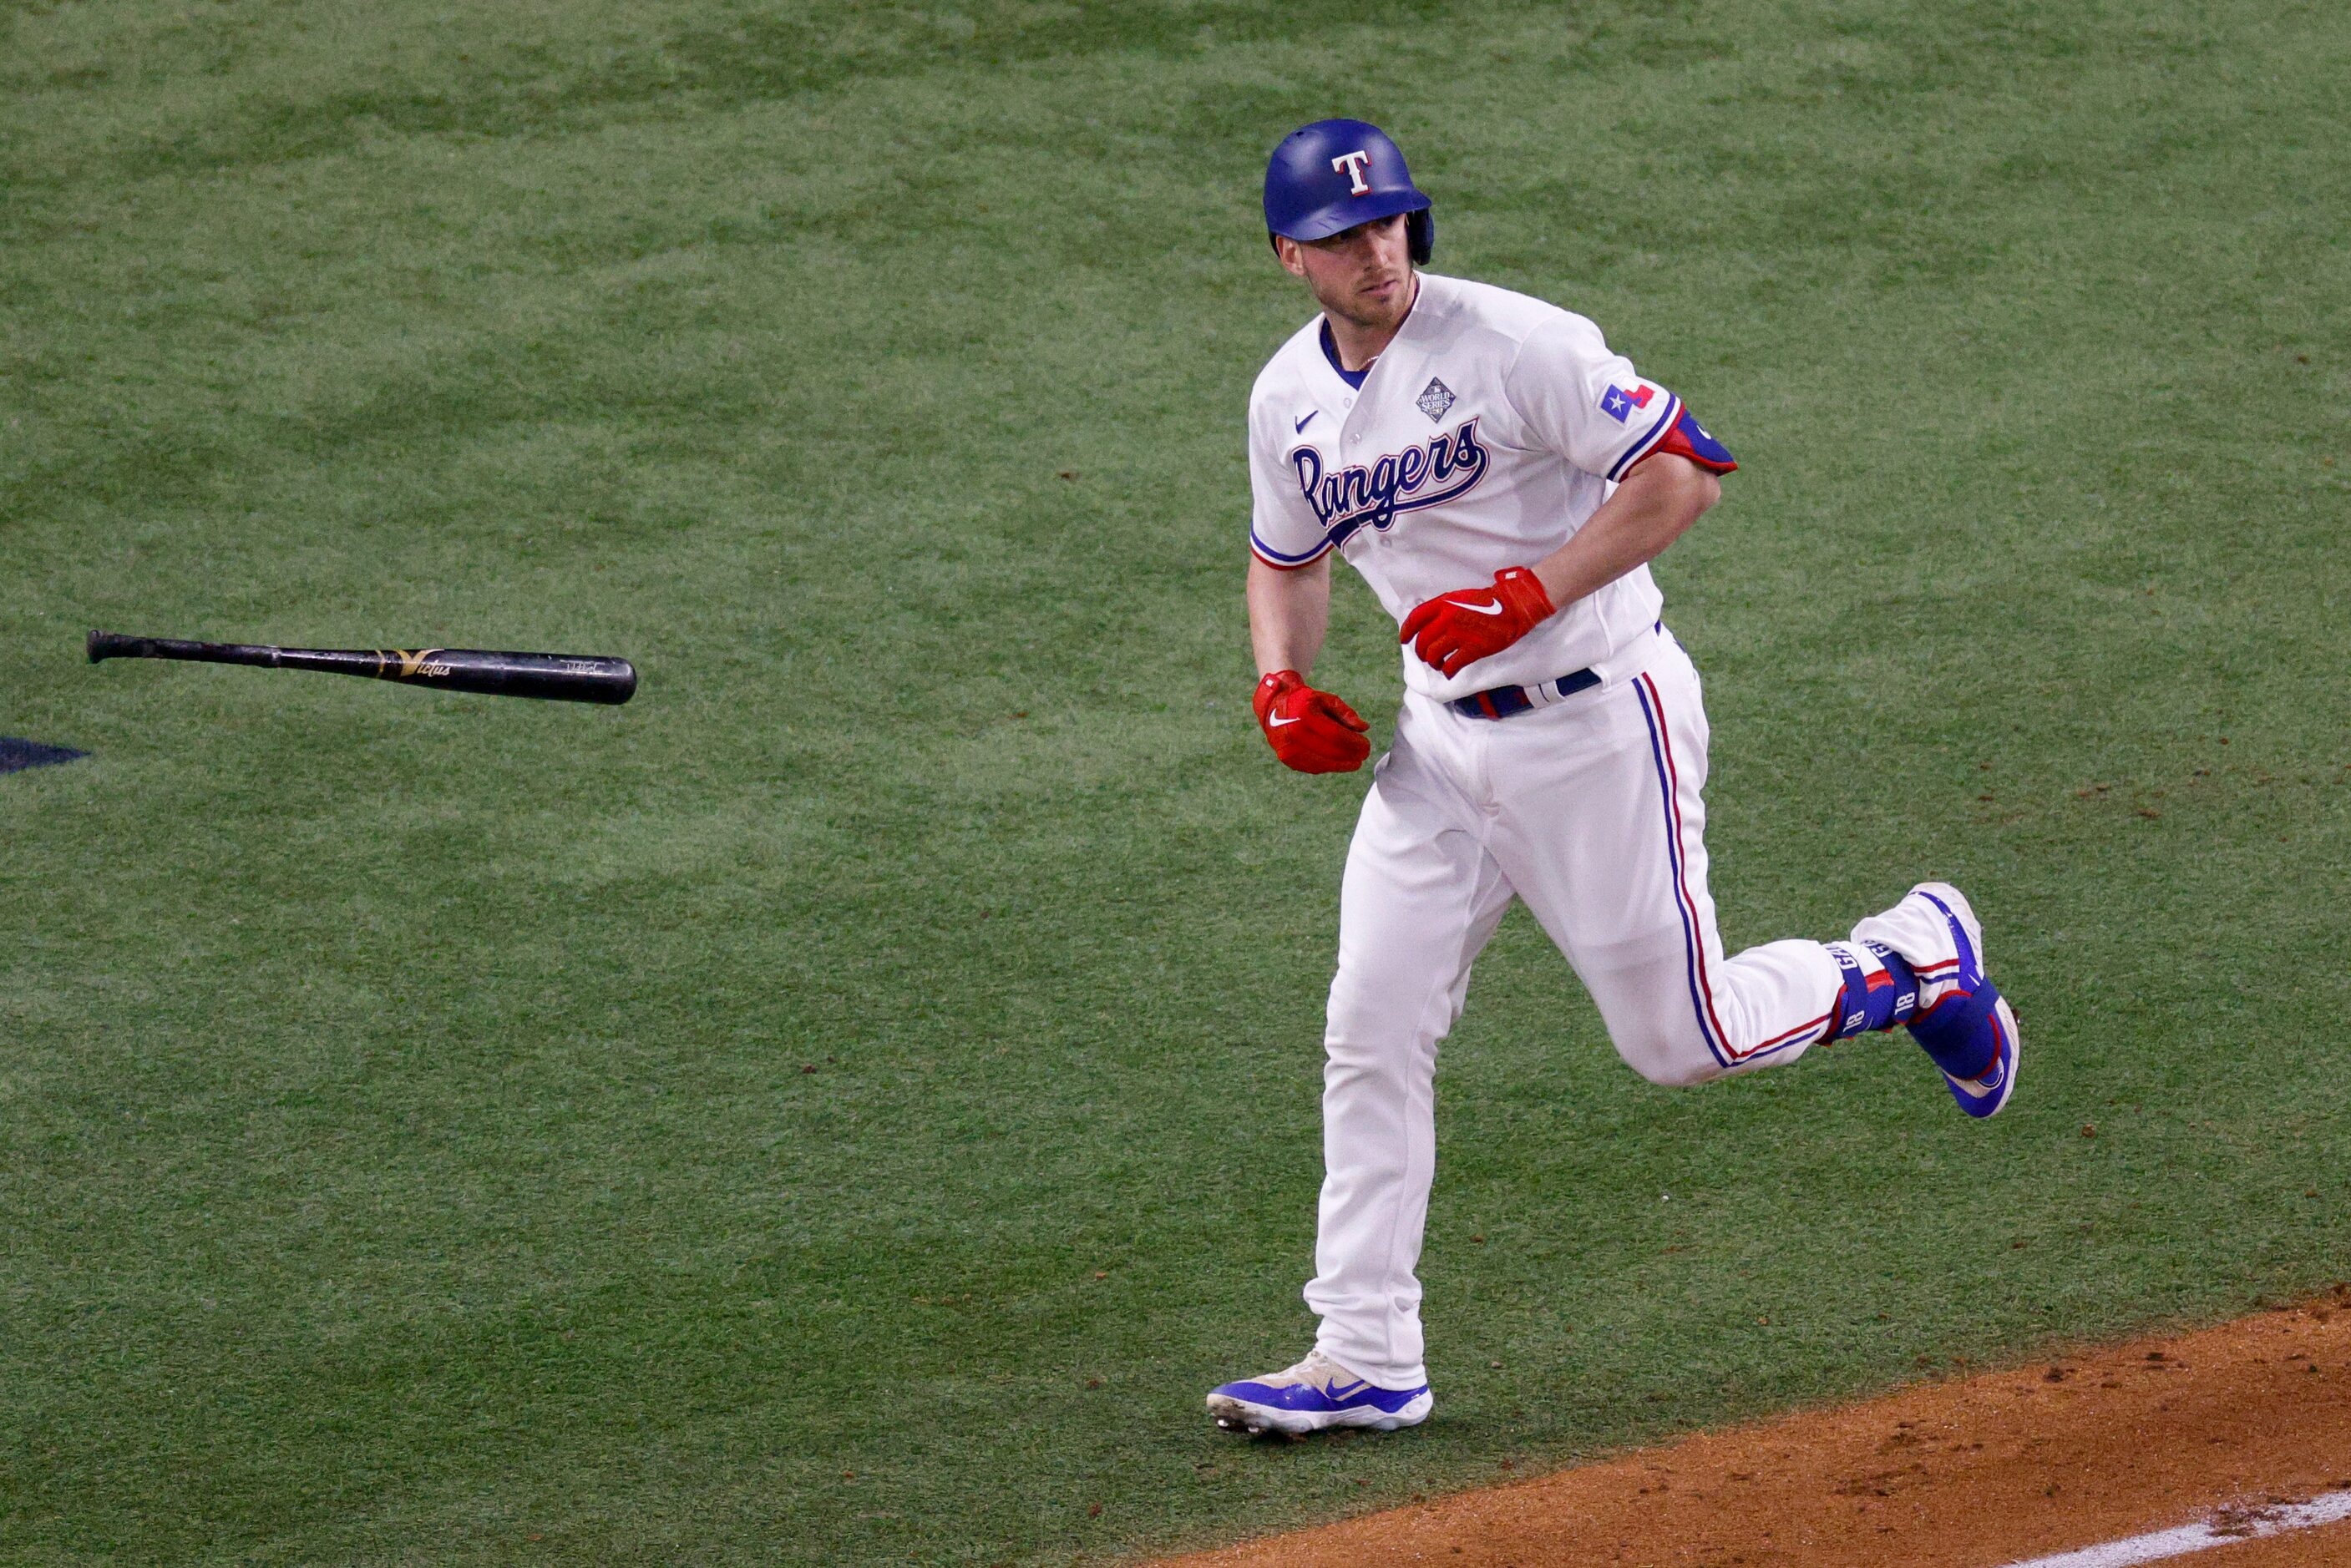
(1338, 384)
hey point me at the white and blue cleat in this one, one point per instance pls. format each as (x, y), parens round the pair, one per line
(1962, 1020)
(1314, 1396)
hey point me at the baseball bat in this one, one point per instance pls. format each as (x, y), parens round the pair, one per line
(561, 677)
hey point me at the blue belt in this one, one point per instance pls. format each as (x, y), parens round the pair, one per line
(1505, 701)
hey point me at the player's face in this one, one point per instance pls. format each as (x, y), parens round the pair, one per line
(1363, 275)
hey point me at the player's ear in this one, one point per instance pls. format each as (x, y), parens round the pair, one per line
(1287, 251)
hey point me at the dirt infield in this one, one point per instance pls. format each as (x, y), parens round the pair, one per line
(1974, 1474)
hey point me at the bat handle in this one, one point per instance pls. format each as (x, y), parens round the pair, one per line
(115, 645)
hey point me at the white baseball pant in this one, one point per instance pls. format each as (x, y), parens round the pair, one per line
(1588, 809)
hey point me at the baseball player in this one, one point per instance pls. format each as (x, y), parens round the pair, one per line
(1501, 477)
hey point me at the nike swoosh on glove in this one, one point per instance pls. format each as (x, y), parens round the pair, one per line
(1310, 731)
(1453, 630)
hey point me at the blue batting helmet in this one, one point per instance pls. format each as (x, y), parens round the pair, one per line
(1335, 173)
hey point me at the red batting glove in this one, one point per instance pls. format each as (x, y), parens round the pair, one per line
(1459, 629)
(1310, 731)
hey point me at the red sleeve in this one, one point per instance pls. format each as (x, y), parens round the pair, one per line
(1689, 438)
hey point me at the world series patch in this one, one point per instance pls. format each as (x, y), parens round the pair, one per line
(1435, 399)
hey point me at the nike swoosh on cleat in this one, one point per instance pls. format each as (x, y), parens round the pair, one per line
(1482, 609)
(1980, 1087)
(1301, 424)
(1349, 1392)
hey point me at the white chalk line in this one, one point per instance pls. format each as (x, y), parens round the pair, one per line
(2225, 1528)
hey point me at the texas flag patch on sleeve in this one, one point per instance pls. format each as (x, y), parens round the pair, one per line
(1618, 404)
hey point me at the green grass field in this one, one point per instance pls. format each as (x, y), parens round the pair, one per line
(849, 1105)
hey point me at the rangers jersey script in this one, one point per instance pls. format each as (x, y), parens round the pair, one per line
(1484, 436)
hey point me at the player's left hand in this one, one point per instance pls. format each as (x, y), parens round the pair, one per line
(1453, 630)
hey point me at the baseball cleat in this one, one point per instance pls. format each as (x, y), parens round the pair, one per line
(1984, 1096)
(1963, 1021)
(1316, 1393)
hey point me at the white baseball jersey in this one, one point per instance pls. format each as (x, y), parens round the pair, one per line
(1490, 428)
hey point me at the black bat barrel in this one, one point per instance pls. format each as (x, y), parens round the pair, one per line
(561, 677)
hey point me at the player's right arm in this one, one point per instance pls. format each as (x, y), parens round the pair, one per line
(1310, 731)
(1290, 612)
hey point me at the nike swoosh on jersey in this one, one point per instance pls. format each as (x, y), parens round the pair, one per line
(1301, 424)
(1482, 609)
(1278, 724)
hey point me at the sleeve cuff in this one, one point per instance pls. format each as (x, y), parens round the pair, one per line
(1281, 563)
(1662, 427)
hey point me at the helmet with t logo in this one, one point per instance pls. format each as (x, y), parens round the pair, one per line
(1335, 173)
